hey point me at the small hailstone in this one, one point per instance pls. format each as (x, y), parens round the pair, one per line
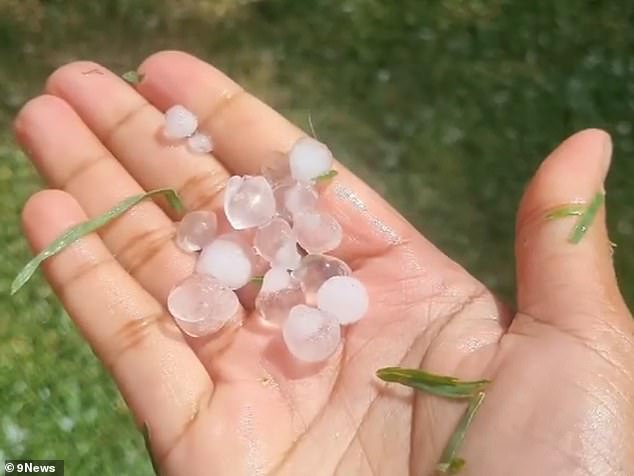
(310, 334)
(275, 242)
(300, 197)
(249, 202)
(343, 297)
(179, 122)
(196, 230)
(308, 159)
(315, 270)
(200, 143)
(275, 279)
(201, 305)
(317, 232)
(228, 260)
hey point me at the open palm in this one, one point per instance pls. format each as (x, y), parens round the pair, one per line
(238, 404)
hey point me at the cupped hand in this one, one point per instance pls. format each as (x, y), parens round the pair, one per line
(237, 404)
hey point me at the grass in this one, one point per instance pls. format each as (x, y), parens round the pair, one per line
(445, 107)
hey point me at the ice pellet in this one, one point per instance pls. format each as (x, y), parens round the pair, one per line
(179, 122)
(249, 202)
(343, 297)
(315, 270)
(201, 305)
(275, 279)
(310, 334)
(196, 230)
(200, 143)
(275, 242)
(308, 159)
(228, 260)
(300, 197)
(317, 232)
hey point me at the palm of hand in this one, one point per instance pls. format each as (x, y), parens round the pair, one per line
(238, 404)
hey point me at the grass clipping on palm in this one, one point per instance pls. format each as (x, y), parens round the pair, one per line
(447, 387)
(80, 230)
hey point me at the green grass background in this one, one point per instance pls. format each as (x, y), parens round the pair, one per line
(445, 106)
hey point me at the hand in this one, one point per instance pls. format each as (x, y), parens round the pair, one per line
(560, 398)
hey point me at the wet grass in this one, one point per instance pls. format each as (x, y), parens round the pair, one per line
(446, 107)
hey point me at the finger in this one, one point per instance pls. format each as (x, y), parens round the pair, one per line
(131, 129)
(561, 283)
(246, 131)
(161, 379)
(71, 158)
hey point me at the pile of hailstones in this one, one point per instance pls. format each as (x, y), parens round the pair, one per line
(274, 218)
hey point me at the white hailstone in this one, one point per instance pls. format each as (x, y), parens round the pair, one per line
(315, 270)
(196, 230)
(249, 202)
(276, 243)
(317, 232)
(275, 279)
(202, 305)
(200, 143)
(277, 170)
(308, 159)
(179, 122)
(343, 297)
(300, 197)
(287, 256)
(310, 334)
(228, 260)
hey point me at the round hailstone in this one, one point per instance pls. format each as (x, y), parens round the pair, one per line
(179, 122)
(315, 270)
(309, 159)
(196, 230)
(317, 232)
(343, 297)
(276, 243)
(300, 197)
(310, 334)
(201, 305)
(228, 260)
(275, 279)
(200, 143)
(249, 202)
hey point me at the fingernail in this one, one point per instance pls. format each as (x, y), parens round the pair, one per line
(606, 155)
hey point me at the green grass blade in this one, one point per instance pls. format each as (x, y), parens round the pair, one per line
(440, 385)
(586, 219)
(133, 77)
(257, 280)
(449, 463)
(572, 209)
(327, 176)
(82, 229)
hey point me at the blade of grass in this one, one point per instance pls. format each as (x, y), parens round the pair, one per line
(440, 385)
(327, 176)
(572, 209)
(82, 229)
(132, 77)
(257, 279)
(449, 463)
(586, 219)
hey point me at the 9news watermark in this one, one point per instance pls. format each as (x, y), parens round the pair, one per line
(34, 466)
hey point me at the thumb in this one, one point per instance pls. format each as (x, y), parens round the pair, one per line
(560, 283)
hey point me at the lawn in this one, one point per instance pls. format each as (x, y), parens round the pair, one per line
(446, 107)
